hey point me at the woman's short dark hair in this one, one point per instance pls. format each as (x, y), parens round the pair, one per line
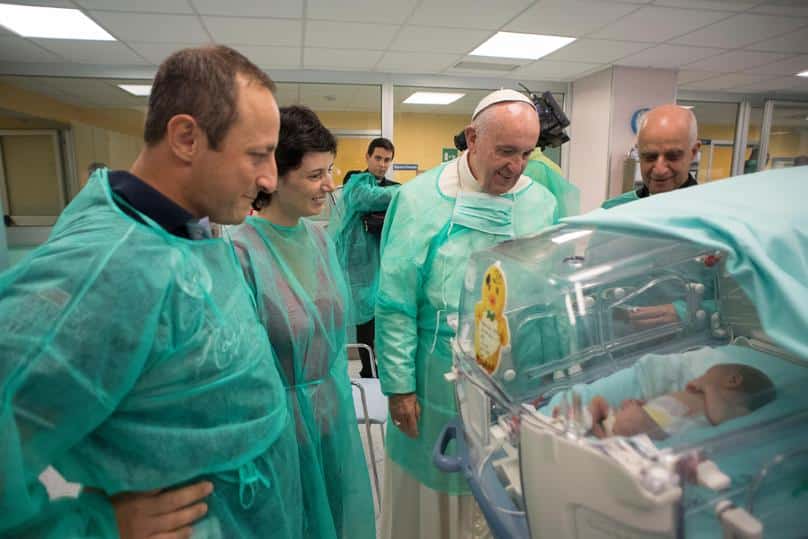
(301, 133)
(200, 82)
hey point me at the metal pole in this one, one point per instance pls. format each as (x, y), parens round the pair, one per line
(388, 104)
(741, 135)
(765, 132)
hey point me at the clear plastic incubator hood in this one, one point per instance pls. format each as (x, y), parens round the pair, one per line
(612, 384)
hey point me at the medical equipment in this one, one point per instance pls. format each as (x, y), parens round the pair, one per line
(581, 311)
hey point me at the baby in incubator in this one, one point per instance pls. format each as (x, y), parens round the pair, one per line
(724, 392)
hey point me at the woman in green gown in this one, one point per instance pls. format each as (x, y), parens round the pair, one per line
(303, 302)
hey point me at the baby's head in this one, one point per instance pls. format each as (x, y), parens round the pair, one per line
(732, 390)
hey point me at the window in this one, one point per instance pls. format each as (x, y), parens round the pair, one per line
(716, 123)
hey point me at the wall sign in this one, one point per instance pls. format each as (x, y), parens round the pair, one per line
(636, 118)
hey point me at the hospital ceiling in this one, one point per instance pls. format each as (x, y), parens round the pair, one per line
(744, 46)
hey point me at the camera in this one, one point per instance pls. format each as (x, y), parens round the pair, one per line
(552, 119)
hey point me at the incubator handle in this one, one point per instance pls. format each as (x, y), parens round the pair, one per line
(443, 462)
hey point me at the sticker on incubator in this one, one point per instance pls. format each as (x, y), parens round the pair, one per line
(491, 331)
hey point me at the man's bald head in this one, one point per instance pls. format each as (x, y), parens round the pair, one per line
(672, 117)
(668, 144)
(500, 141)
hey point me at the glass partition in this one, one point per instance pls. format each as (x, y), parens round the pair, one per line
(788, 136)
(352, 112)
(717, 134)
(753, 140)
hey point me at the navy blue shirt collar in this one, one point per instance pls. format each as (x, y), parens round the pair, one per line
(150, 202)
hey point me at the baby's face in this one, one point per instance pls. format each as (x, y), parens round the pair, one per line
(719, 387)
(717, 376)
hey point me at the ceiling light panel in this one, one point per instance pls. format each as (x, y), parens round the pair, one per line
(526, 46)
(51, 23)
(136, 89)
(432, 98)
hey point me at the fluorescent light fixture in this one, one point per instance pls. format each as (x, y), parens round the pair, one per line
(51, 22)
(136, 89)
(526, 46)
(775, 133)
(690, 107)
(432, 98)
(803, 74)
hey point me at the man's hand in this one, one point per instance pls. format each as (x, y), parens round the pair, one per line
(656, 315)
(405, 411)
(160, 514)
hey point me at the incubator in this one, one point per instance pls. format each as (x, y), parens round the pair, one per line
(617, 384)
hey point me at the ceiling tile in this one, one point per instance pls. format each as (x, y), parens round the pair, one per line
(793, 42)
(733, 61)
(157, 52)
(340, 59)
(278, 32)
(459, 14)
(668, 56)
(569, 18)
(658, 24)
(349, 35)
(467, 72)
(790, 66)
(289, 9)
(17, 49)
(92, 52)
(383, 11)
(739, 31)
(416, 62)
(783, 7)
(465, 105)
(685, 76)
(271, 57)
(728, 82)
(147, 6)
(158, 28)
(728, 5)
(563, 71)
(445, 40)
(596, 50)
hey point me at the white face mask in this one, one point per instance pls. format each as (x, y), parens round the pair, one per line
(485, 213)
